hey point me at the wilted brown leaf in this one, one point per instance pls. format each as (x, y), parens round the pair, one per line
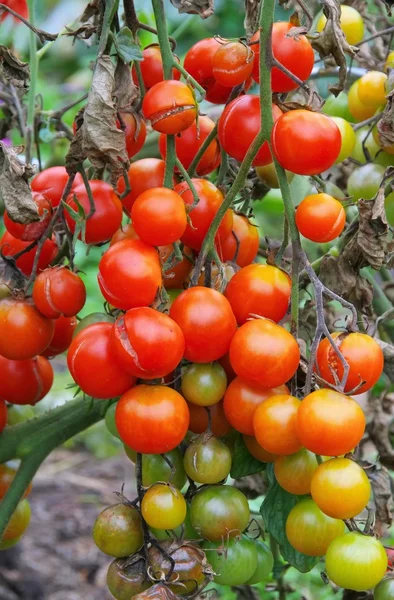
(10, 275)
(251, 21)
(378, 427)
(14, 186)
(383, 498)
(204, 8)
(373, 232)
(159, 591)
(92, 9)
(386, 123)
(125, 91)
(84, 32)
(12, 69)
(75, 155)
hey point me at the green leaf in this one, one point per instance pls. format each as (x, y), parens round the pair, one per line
(243, 462)
(275, 510)
(125, 46)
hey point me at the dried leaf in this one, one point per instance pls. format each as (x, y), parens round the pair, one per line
(373, 231)
(204, 8)
(388, 353)
(159, 591)
(14, 186)
(84, 32)
(92, 9)
(382, 414)
(75, 155)
(251, 22)
(125, 90)
(13, 70)
(386, 123)
(383, 498)
(10, 275)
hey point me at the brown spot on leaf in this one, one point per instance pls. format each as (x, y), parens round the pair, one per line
(204, 8)
(14, 185)
(13, 70)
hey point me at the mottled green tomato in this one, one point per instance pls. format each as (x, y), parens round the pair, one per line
(124, 582)
(184, 531)
(118, 531)
(365, 181)
(204, 384)
(207, 459)
(267, 175)
(338, 106)
(265, 563)
(385, 590)
(110, 420)
(234, 561)
(96, 317)
(156, 468)
(18, 523)
(375, 152)
(19, 413)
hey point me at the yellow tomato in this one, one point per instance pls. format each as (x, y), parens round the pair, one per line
(389, 61)
(348, 138)
(372, 89)
(351, 22)
(360, 111)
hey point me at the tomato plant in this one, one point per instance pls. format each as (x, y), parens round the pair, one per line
(163, 507)
(59, 291)
(170, 106)
(204, 384)
(320, 218)
(117, 530)
(275, 424)
(207, 460)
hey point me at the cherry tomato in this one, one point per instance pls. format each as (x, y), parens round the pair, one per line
(207, 322)
(340, 488)
(219, 511)
(330, 423)
(135, 132)
(117, 530)
(294, 472)
(241, 244)
(3, 415)
(267, 174)
(338, 106)
(204, 384)
(139, 338)
(188, 142)
(352, 24)
(365, 181)
(159, 216)
(385, 590)
(62, 337)
(233, 561)
(129, 274)
(190, 564)
(175, 277)
(207, 460)
(199, 419)
(309, 530)
(152, 419)
(143, 175)
(256, 450)
(274, 424)
(31, 231)
(170, 106)
(52, 182)
(263, 353)
(348, 137)
(125, 580)
(18, 523)
(152, 67)
(163, 507)
(238, 126)
(7, 475)
(265, 563)
(202, 215)
(91, 320)
(372, 89)
(125, 232)
(93, 364)
(294, 53)
(356, 562)
(320, 218)
(358, 110)
(25, 381)
(155, 468)
(305, 142)
(11, 246)
(59, 291)
(232, 64)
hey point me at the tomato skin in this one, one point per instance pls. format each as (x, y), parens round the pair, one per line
(62, 337)
(207, 322)
(330, 423)
(125, 232)
(7, 474)
(248, 238)
(147, 343)
(25, 381)
(93, 365)
(155, 468)
(163, 507)
(152, 68)
(129, 274)
(263, 353)
(159, 216)
(51, 183)
(258, 289)
(202, 215)
(348, 138)
(352, 24)
(135, 132)
(294, 472)
(274, 425)
(320, 218)
(124, 583)
(234, 561)
(59, 291)
(152, 419)
(24, 332)
(365, 181)
(358, 110)
(309, 530)
(363, 355)
(31, 231)
(340, 488)
(305, 142)
(265, 563)
(204, 384)
(3, 415)
(143, 175)
(258, 451)
(91, 319)
(18, 523)
(199, 419)
(207, 460)
(232, 64)
(175, 277)
(238, 126)
(385, 589)
(188, 142)
(11, 246)
(117, 531)
(356, 562)
(170, 106)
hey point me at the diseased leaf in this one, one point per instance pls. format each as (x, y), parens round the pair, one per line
(204, 8)
(378, 427)
(75, 155)
(373, 231)
(382, 496)
(251, 22)
(126, 47)
(388, 353)
(126, 92)
(92, 9)
(243, 462)
(14, 187)
(13, 70)
(10, 275)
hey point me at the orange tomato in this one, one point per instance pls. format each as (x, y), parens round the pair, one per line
(275, 424)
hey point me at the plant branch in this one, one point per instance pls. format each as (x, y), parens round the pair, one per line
(40, 33)
(33, 63)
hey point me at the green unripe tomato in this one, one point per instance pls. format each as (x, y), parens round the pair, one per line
(204, 384)
(19, 413)
(156, 468)
(377, 155)
(265, 563)
(385, 589)
(124, 583)
(207, 460)
(338, 106)
(365, 181)
(234, 561)
(110, 421)
(91, 320)
(118, 531)
(267, 174)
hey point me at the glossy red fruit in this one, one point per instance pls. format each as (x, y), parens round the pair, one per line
(320, 218)
(242, 243)
(31, 231)
(11, 246)
(52, 182)
(152, 68)
(143, 175)
(19, 6)
(25, 381)
(135, 132)
(59, 291)
(232, 64)
(93, 364)
(126, 232)
(62, 337)
(199, 419)
(159, 216)
(170, 106)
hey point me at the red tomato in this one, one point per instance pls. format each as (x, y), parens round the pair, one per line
(51, 183)
(238, 126)
(275, 425)
(241, 244)
(188, 142)
(135, 132)
(59, 291)
(126, 232)
(232, 64)
(24, 332)
(31, 231)
(256, 450)
(152, 67)
(11, 246)
(93, 364)
(175, 277)
(294, 53)
(129, 274)
(108, 211)
(152, 419)
(62, 338)
(170, 106)
(19, 6)
(3, 415)
(202, 215)
(207, 321)
(143, 175)
(305, 142)
(264, 353)
(25, 381)
(241, 401)
(363, 355)
(320, 218)
(258, 289)
(148, 343)
(159, 216)
(199, 419)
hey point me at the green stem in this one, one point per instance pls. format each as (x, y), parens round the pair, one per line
(212, 135)
(170, 162)
(33, 62)
(189, 181)
(111, 7)
(189, 78)
(42, 51)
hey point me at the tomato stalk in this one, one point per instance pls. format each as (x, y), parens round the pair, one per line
(33, 63)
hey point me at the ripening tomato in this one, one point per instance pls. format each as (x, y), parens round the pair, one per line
(202, 215)
(265, 563)
(31, 231)
(152, 67)
(340, 488)
(135, 132)
(232, 64)
(175, 277)
(356, 562)
(59, 291)
(258, 289)
(207, 459)
(62, 337)
(238, 126)
(309, 530)
(25, 381)
(18, 523)
(263, 353)
(204, 384)
(188, 142)
(372, 89)
(24, 331)
(93, 364)
(159, 216)
(241, 401)
(117, 530)
(385, 589)
(125, 232)
(267, 174)
(124, 581)
(147, 343)
(363, 355)
(294, 472)
(294, 53)
(330, 423)
(348, 137)
(365, 181)
(320, 218)
(3, 415)
(199, 419)
(358, 110)
(152, 419)
(163, 507)
(129, 274)
(275, 424)
(234, 561)
(107, 217)
(170, 106)
(7, 475)
(241, 244)
(352, 24)
(258, 451)
(11, 246)
(305, 142)
(143, 175)
(207, 321)
(52, 182)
